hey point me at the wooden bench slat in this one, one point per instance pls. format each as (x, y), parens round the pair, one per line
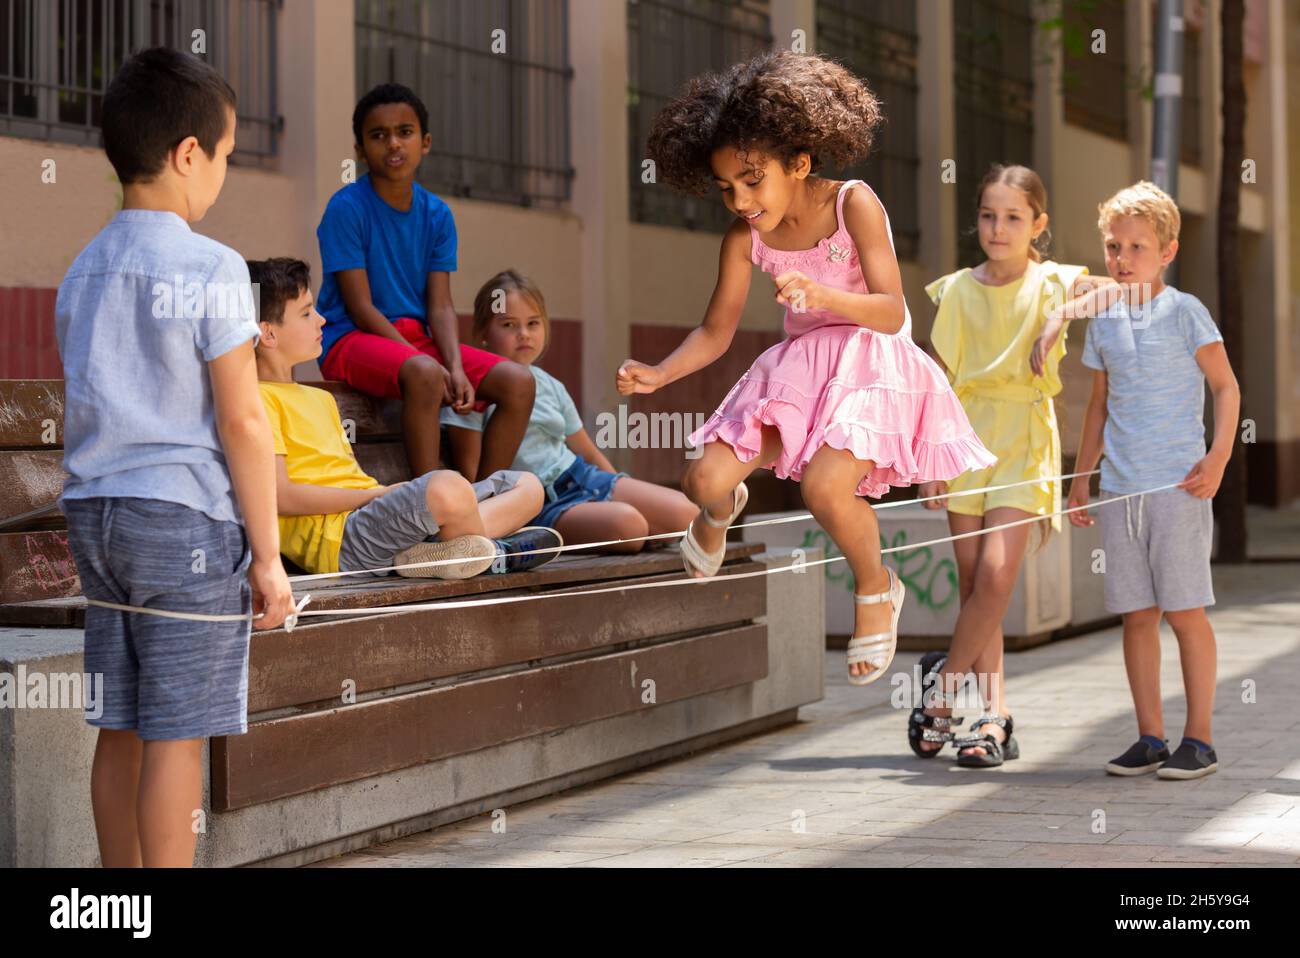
(327, 594)
(568, 568)
(27, 404)
(373, 417)
(26, 407)
(36, 565)
(311, 663)
(68, 613)
(30, 478)
(298, 754)
(386, 461)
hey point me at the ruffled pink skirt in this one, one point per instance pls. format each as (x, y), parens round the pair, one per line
(879, 397)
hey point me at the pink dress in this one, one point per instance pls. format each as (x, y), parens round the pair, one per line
(836, 383)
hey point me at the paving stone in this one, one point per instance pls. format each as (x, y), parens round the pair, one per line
(868, 802)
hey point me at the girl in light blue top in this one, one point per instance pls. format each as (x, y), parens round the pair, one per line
(587, 500)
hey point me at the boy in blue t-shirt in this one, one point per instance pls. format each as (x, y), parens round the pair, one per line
(388, 247)
(169, 460)
(1152, 349)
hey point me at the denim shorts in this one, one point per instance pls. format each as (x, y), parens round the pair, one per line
(374, 534)
(165, 678)
(581, 482)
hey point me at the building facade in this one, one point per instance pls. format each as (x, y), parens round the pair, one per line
(539, 110)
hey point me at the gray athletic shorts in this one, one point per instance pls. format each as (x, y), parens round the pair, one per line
(165, 678)
(374, 534)
(1157, 550)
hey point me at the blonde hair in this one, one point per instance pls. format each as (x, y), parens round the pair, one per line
(507, 281)
(1145, 200)
(1028, 182)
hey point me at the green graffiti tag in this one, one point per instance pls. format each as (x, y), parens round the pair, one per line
(935, 591)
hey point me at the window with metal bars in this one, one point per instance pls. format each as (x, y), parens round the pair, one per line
(993, 43)
(57, 58)
(495, 76)
(1096, 83)
(878, 41)
(669, 42)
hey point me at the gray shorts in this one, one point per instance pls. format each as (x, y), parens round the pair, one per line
(374, 534)
(165, 678)
(1157, 551)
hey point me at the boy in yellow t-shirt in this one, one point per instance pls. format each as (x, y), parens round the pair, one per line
(336, 518)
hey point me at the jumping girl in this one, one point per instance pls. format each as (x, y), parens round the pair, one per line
(847, 405)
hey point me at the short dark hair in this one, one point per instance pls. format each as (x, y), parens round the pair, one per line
(158, 98)
(279, 280)
(389, 93)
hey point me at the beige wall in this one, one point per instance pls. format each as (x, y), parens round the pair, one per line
(596, 266)
(47, 224)
(540, 244)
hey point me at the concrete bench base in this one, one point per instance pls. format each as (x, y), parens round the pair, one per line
(45, 755)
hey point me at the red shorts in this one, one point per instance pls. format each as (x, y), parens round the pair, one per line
(371, 363)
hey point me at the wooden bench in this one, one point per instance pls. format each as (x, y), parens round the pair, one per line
(347, 704)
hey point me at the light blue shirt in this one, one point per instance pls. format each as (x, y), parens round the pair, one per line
(554, 419)
(142, 310)
(1155, 427)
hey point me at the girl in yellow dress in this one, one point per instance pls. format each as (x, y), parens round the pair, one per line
(988, 320)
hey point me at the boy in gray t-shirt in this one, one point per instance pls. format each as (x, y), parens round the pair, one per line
(170, 495)
(1152, 349)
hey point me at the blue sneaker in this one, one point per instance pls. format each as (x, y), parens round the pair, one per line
(1141, 758)
(1189, 761)
(526, 539)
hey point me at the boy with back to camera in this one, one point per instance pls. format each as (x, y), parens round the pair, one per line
(169, 461)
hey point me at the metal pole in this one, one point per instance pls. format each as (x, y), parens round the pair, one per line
(1168, 88)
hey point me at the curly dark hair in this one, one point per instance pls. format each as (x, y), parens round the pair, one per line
(781, 104)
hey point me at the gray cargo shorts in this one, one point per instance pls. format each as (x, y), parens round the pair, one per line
(1157, 549)
(374, 534)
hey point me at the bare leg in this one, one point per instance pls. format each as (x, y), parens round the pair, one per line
(601, 521)
(1198, 653)
(421, 382)
(665, 510)
(980, 619)
(991, 675)
(509, 511)
(452, 505)
(466, 447)
(171, 791)
(967, 553)
(710, 482)
(1142, 662)
(511, 386)
(829, 489)
(114, 784)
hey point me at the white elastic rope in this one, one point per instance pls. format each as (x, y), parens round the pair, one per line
(672, 535)
(688, 580)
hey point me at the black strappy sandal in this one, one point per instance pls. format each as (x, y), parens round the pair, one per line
(930, 728)
(995, 752)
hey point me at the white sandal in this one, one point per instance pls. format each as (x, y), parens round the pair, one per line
(877, 650)
(694, 557)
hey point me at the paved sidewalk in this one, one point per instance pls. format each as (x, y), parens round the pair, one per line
(842, 788)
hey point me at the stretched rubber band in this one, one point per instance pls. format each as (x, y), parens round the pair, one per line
(450, 604)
